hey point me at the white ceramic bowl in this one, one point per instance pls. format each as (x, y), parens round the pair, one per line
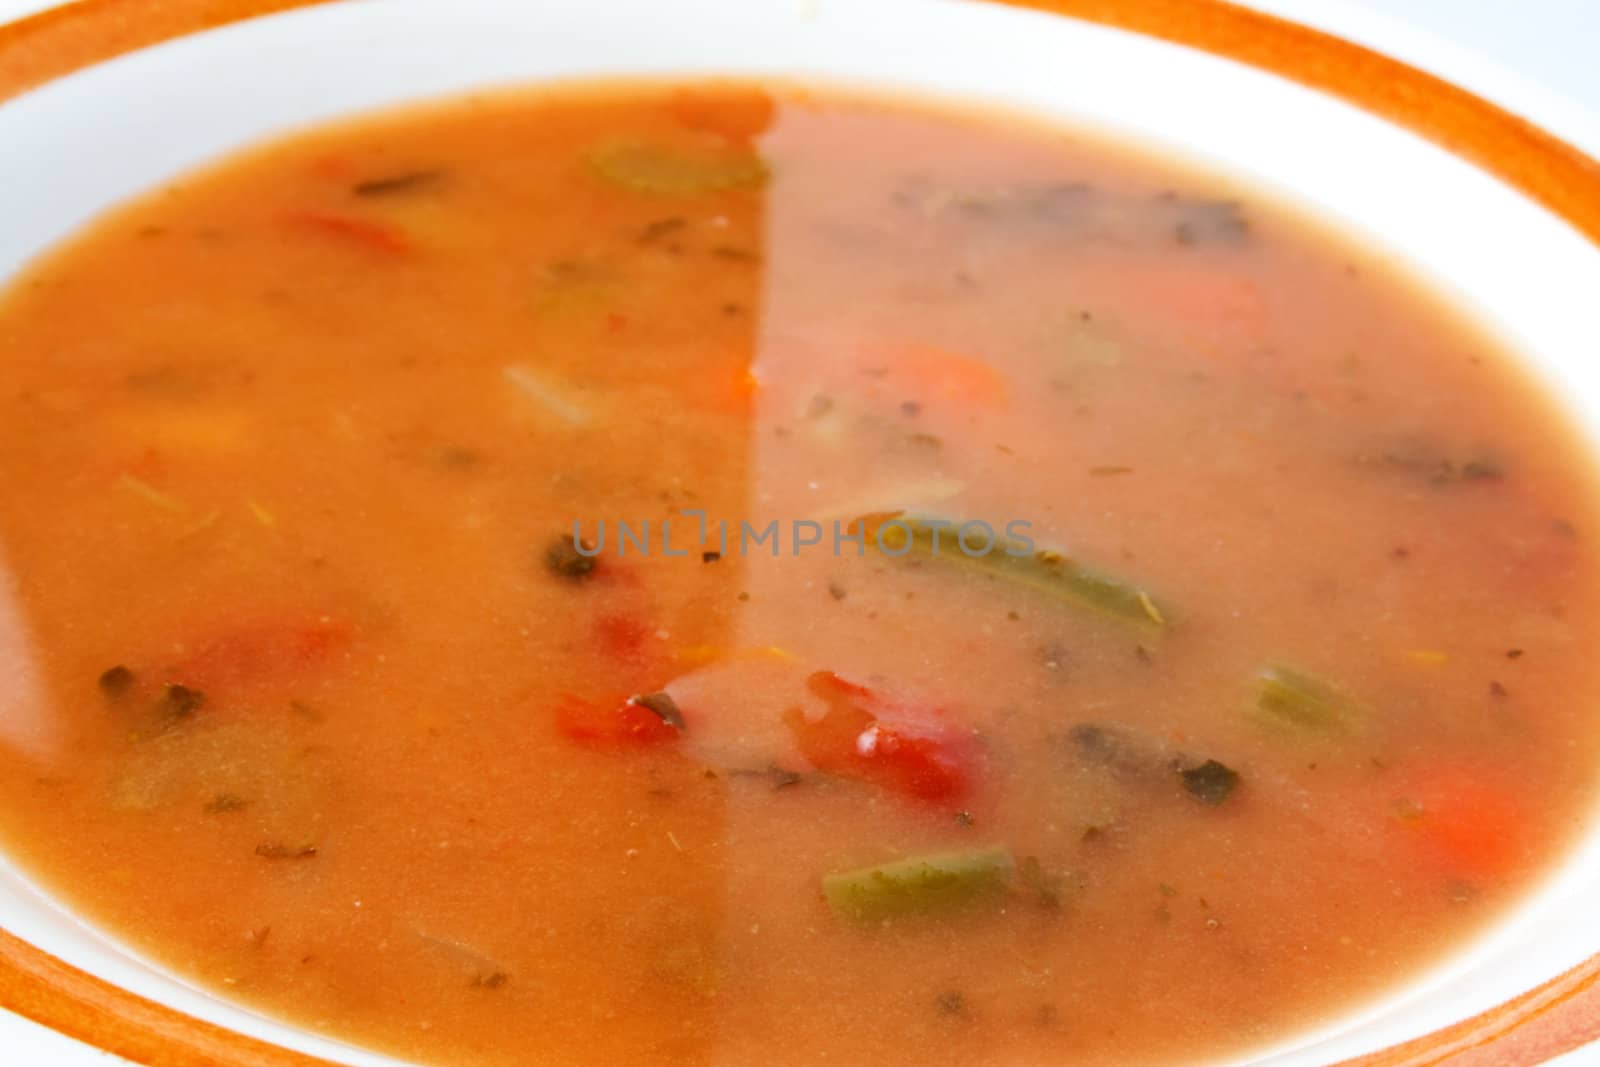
(81, 143)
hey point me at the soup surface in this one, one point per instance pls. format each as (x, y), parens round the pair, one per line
(476, 584)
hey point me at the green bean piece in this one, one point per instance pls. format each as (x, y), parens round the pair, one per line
(1292, 698)
(1043, 571)
(921, 885)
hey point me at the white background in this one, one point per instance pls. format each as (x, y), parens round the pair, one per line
(1540, 58)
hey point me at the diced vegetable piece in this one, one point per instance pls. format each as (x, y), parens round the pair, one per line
(940, 375)
(1469, 819)
(1289, 697)
(922, 885)
(1211, 782)
(263, 652)
(359, 233)
(612, 724)
(652, 167)
(1043, 571)
(898, 746)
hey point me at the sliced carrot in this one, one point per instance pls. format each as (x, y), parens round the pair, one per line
(610, 723)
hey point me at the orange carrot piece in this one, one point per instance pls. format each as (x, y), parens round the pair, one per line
(938, 374)
(1468, 820)
(373, 236)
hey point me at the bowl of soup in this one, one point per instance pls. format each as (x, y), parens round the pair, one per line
(790, 533)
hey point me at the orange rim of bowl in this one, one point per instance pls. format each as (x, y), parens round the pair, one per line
(1556, 1017)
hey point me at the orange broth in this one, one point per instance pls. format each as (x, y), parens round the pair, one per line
(324, 691)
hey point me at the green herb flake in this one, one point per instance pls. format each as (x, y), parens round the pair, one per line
(919, 886)
(1289, 697)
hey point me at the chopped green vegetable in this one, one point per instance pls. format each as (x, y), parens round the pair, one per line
(1211, 782)
(409, 182)
(923, 885)
(1289, 697)
(652, 167)
(663, 706)
(116, 681)
(563, 560)
(1043, 571)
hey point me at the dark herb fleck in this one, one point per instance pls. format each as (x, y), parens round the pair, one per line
(409, 182)
(1431, 464)
(951, 1004)
(277, 850)
(305, 711)
(1498, 691)
(661, 228)
(563, 559)
(223, 803)
(738, 255)
(1211, 782)
(837, 591)
(1197, 220)
(663, 705)
(493, 980)
(1514, 653)
(179, 702)
(780, 777)
(710, 557)
(964, 818)
(116, 681)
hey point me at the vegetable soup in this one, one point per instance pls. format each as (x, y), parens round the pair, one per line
(710, 574)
